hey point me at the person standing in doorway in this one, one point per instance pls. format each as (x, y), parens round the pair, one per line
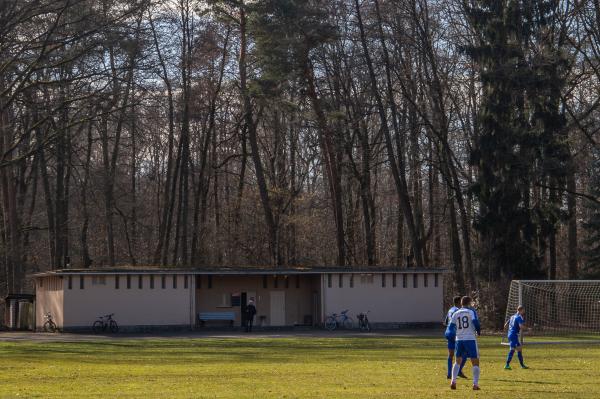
(250, 312)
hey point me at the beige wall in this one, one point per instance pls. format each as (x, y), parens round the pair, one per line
(49, 298)
(386, 304)
(298, 301)
(133, 306)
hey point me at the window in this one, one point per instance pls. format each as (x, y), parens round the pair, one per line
(352, 281)
(209, 284)
(275, 282)
(152, 281)
(415, 280)
(81, 282)
(70, 282)
(163, 281)
(140, 282)
(404, 281)
(383, 280)
(329, 280)
(341, 280)
(129, 281)
(185, 282)
(117, 278)
(297, 281)
(287, 282)
(394, 280)
(425, 280)
(98, 280)
(198, 281)
(174, 281)
(265, 281)
(435, 280)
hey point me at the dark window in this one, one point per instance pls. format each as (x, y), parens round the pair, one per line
(185, 282)
(140, 282)
(425, 280)
(383, 280)
(435, 280)
(174, 281)
(70, 282)
(163, 282)
(209, 283)
(404, 282)
(352, 281)
(117, 278)
(329, 280)
(287, 282)
(152, 281)
(275, 282)
(297, 281)
(198, 281)
(128, 281)
(341, 280)
(394, 280)
(81, 284)
(415, 280)
(265, 281)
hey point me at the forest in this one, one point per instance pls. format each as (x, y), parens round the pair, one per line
(458, 134)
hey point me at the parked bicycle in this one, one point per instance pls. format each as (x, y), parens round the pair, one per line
(105, 322)
(49, 324)
(339, 320)
(363, 321)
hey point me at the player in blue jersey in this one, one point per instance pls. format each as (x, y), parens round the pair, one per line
(451, 338)
(464, 324)
(514, 328)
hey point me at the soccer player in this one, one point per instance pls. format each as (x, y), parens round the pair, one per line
(451, 338)
(514, 327)
(465, 324)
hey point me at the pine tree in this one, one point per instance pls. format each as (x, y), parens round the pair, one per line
(592, 225)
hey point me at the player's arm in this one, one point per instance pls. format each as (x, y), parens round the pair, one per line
(451, 328)
(476, 323)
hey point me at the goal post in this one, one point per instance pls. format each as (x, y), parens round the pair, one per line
(557, 308)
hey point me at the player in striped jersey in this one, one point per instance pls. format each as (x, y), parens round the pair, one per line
(465, 324)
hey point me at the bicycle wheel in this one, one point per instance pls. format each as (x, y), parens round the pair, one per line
(98, 326)
(330, 323)
(348, 323)
(49, 326)
(114, 328)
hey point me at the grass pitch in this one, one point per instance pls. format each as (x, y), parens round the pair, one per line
(300, 367)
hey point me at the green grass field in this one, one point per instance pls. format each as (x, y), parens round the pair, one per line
(302, 367)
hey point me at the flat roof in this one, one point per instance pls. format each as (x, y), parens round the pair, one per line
(236, 271)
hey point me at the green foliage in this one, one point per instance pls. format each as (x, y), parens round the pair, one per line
(592, 224)
(521, 144)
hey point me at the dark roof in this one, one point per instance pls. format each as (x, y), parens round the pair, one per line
(236, 271)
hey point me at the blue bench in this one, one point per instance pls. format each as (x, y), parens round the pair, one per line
(216, 316)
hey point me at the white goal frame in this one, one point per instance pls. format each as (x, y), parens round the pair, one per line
(558, 308)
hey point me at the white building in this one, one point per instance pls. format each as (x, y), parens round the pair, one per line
(175, 298)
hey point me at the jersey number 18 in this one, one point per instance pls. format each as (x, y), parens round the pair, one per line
(463, 322)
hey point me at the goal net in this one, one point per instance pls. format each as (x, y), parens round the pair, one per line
(556, 308)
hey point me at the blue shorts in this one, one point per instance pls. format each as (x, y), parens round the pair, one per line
(467, 349)
(513, 341)
(451, 343)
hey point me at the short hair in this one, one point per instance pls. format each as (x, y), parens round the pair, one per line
(456, 300)
(521, 307)
(465, 301)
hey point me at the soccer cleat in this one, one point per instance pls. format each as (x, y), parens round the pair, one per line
(524, 366)
(453, 385)
(507, 367)
(462, 375)
(476, 388)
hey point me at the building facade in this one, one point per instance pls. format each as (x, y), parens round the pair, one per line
(172, 298)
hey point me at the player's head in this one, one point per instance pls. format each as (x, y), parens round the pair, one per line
(465, 301)
(521, 310)
(456, 301)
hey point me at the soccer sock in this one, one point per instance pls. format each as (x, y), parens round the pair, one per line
(475, 375)
(520, 356)
(462, 364)
(510, 356)
(449, 366)
(455, 372)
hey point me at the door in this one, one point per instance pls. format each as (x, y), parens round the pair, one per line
(277, 308)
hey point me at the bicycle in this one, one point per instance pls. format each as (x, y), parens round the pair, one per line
(49, 325)
(363, 321)
(105, 322)
(336, 320)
